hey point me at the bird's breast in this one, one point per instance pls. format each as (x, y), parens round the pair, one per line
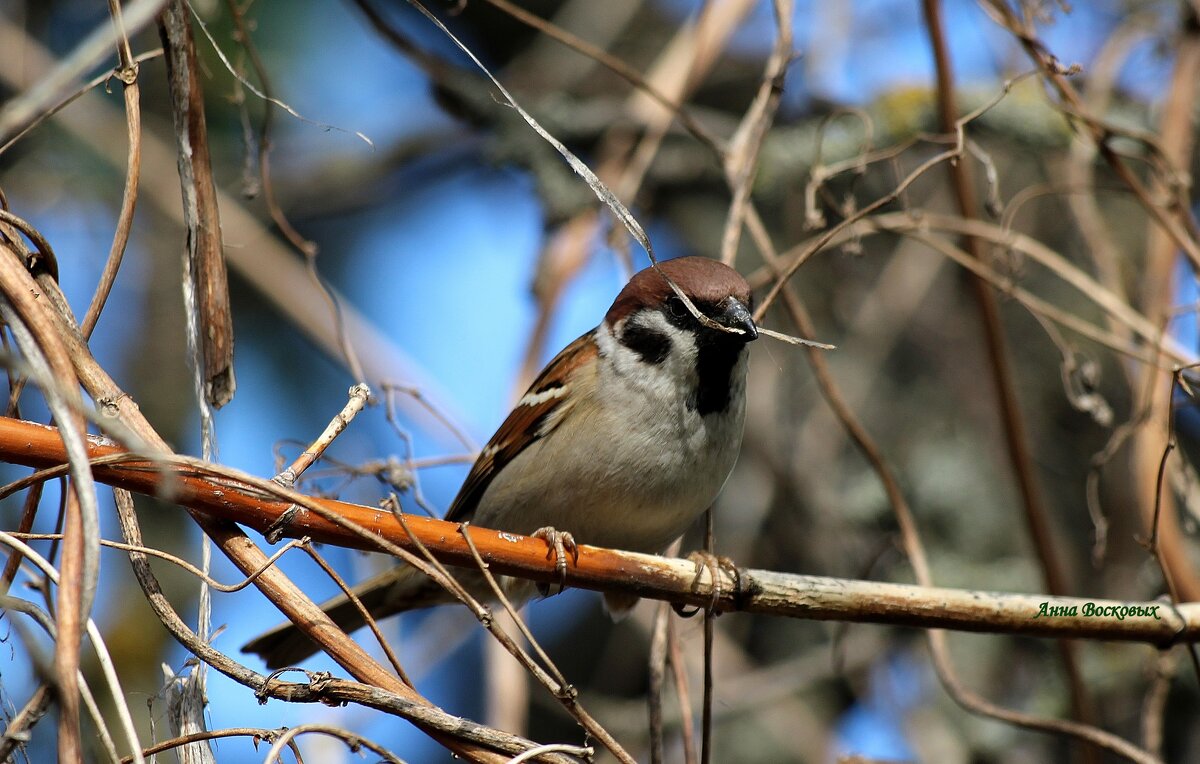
(631, 472)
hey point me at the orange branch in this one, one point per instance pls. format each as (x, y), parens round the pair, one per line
(219, 492)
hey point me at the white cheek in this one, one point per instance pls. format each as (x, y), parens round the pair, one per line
(668, 380)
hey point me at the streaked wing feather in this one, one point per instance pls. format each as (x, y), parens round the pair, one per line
(528, 422)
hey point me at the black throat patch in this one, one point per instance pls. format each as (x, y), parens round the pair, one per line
(715, 359)
(716, 354)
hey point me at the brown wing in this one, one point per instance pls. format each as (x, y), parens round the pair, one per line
(529, 421)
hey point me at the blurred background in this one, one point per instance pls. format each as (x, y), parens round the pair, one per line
(466, 253)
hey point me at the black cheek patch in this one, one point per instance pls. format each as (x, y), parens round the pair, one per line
(651, 345)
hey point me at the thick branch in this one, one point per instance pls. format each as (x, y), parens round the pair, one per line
(222, 493)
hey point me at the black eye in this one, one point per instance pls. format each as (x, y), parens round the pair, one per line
(676, 306)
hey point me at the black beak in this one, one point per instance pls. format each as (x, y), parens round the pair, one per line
(735, 315)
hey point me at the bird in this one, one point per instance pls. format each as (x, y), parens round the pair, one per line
(622, 441)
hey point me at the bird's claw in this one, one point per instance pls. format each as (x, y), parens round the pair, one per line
(714, 564)
(559, 543)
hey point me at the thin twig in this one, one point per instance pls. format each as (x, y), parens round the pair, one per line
(741, 161)
(1100, 133)
(937, 637)
(1153, 543)
(710, 621)
(31, 323)
(368, 619)
(98, 645)
(17, 730)
(657, 659)
(179, 561)
(359, 395)
(687, 728)
(1155, 704)
(39, 98)
(247, 556)
(255, 733)
(548, 674)
(916, 552)
(353, 742)
(127, 73)
(1016, 435)
(618, 67)
(43, 668)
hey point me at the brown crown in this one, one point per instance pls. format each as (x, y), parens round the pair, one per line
(704, 281)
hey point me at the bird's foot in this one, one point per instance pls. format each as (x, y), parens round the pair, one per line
(559, 543)
(714, 564)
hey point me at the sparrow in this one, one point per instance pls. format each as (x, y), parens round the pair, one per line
(622, 441)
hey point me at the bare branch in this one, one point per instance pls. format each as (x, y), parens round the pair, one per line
(225, 493)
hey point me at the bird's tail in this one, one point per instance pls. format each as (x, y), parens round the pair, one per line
(393, 591)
